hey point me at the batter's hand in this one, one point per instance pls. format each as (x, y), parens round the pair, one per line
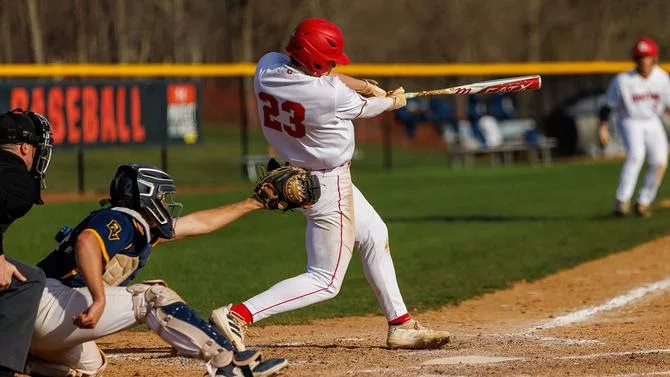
(7, 271)
(398, 97)
(603, 134)
(371, 89)
(89, 318)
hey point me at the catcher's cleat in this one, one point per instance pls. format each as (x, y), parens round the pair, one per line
(642, 210)
(621, 209)
(231, 325)
(412, 335)
(249, 363)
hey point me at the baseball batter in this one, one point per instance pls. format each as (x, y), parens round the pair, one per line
(306, 113)
(88, 296)
(638, 98)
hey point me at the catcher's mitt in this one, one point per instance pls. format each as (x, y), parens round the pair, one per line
(287, 187)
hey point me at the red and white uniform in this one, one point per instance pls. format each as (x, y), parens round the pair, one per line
(638, 103)
(307, 119)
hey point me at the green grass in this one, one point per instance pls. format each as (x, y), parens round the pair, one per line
(454, 235)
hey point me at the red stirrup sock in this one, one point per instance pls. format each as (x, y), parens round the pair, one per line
(243, 312)
(400, 320)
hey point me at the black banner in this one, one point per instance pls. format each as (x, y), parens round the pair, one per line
(111, 113)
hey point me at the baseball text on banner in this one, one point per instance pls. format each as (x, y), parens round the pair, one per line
(94, 113)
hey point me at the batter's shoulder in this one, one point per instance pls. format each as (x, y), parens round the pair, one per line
(272, 60)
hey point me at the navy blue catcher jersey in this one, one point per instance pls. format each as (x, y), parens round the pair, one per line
(118, 231)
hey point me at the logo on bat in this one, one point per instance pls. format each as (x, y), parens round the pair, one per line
(511, 87)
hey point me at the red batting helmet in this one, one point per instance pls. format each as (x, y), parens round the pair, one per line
(645, 46)
(315, 44)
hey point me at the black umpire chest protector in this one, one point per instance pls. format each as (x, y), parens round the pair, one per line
(15, 208)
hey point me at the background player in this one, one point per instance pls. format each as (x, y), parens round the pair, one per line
(86, 298)
(639, 98)
(306, 112)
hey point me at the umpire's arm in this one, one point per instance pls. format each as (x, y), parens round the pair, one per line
(209, 220)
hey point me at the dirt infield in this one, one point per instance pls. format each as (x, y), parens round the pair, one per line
(609, 317)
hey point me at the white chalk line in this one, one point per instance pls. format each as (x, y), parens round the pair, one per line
(615, 354)
(562, 341)
(488, 360)
(472, 360)
(616, 302)
(661, 373)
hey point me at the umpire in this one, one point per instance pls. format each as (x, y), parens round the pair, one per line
(25, 151)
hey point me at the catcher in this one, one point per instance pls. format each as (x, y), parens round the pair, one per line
(88, 294)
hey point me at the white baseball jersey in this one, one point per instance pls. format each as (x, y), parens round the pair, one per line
(638, 98)
(307, 119)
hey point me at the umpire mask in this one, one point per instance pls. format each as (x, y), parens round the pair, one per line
(18, 126)
(150, 191)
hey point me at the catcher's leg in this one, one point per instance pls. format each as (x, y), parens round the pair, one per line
(167, 314)
(82, 360)
(329, 242)
(54, 329)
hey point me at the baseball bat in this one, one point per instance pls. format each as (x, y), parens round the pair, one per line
(507, 85)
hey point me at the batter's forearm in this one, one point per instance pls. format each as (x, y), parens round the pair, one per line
(209, 220)
(90, 265)
(375, 106)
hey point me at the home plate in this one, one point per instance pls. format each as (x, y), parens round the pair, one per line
(472, 359)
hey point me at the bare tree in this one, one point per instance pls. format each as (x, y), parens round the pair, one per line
(35, 31)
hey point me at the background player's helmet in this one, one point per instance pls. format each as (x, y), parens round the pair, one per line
(644, 46)
(149, 191)
(18, 126)
(316, 44)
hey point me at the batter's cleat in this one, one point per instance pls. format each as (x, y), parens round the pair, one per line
(249, 364)
(411, 335)
(621, 209)
(642, 210)
(231, 325)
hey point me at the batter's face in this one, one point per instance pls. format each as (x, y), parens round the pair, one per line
(645, 64)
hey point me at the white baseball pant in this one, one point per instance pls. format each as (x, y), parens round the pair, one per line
(59, 346)
(642, 136)
(340, 219)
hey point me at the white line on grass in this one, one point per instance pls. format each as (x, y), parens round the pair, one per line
(616, 302)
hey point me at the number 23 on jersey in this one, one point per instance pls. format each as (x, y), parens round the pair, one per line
(271, 108)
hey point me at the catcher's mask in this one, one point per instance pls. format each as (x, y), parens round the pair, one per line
(150, 191)
(18, 126)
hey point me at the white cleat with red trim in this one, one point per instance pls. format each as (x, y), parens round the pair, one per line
(231, 325)
(411, 335)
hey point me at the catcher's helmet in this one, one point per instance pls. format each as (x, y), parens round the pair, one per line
(148, 190)
(18, 126)
(644, 46)
(317, 44)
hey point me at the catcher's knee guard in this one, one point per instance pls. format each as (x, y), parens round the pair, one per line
(37, 367)
(166, 313)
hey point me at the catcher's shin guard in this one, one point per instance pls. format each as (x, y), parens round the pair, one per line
(179, 325)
